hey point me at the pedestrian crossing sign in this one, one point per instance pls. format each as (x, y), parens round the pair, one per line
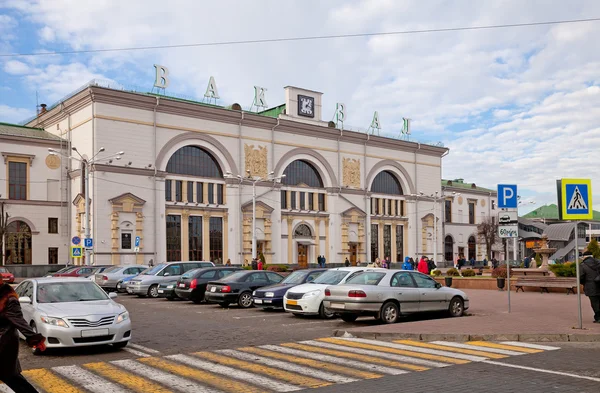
(76, 252)
(575, 199)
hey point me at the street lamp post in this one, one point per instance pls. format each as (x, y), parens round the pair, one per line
(87, 165)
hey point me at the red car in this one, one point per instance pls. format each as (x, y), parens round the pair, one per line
(80, 271)
(6, 275)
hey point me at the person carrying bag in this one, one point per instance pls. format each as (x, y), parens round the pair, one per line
(589, 277)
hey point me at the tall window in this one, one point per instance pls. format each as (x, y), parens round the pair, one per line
(387, 241)
(302, 201)
(168, 190)
(284, 202)
(17, 180)
(52, 225)
(53, 255)
(215, 240)
(302, 172)
(200, 192)
(173, 238)
(472, 248)
(471, 212)
(389, 207)
(374, 242)
(194, 161)
(18, 243)
(178, 190)
(399, 243)
(211, 193)
(195, 238)
(190, 191)
(448, 248)
(386, 183)
(321, 202)
(293, 196)
(220, 194)
(448, 211)
(311, 201)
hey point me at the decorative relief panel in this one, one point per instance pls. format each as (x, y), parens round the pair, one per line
(351, 172)
(483, 203)
(256, 160)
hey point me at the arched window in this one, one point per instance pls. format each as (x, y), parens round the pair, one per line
(18, 243)
(472, 248)
(302, 230)
(302, 172)
(448, 248)
(386, 183)
(194, 161)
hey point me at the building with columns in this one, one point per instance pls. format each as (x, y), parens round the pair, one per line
(183, 184)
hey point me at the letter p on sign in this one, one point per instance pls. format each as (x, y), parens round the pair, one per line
(507, 196)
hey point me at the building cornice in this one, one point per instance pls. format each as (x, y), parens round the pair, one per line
(22, 140)
(466, 191)
(30, 202)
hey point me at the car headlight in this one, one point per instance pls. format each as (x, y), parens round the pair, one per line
(123, 317)
(269, 294)
(311, 294)
(54, 321)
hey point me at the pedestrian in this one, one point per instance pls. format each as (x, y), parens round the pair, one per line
(431, 265)
(259, 264)
(412, 263)
(346, 262)
(384, 264)
(589, 277)
(485, 261)
(472, 261)
(254, 264)
(423, 266)
(358, 262)
(377, 262)
(527, 262)
(11, 321)
(324, 260)
(407, 265)
(228, 262)
(389, 263)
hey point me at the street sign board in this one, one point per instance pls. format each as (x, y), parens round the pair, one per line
(137, 242)
(76, 240)
(507, 196)
(88, 242)
(136, 249)
(508, 231)
(575, 199)
(76, 252)
(508, 218)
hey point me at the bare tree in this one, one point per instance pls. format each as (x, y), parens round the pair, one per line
(488, 232)
(3, 225)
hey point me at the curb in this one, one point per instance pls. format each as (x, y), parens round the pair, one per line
(461, 337)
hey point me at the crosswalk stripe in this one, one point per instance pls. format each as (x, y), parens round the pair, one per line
(528, 345)
(311, 372)
(234, 373)
(336, 360)
(133, 382)
(503, 346)
(451, 349)
(223, 384)
(315, 346)
(167, 379)
(401, 350)
(261, 369)
(143, 348)
(49, 382)
(88, 380)
(137, 353)
(319, 364)
(469, 346)
(5, 389)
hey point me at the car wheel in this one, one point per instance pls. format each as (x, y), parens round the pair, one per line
(323, 313)
(389, 313)
(122, 344)
(245, 300)
(457, 307)
(153, 291)
(224, 305)
(349, 317)
(35, 351)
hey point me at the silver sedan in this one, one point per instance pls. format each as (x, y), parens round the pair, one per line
(73, 312)
(109, 278)
(387, 295)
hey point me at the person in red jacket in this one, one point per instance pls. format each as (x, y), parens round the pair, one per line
(422, 267)
(260, 264)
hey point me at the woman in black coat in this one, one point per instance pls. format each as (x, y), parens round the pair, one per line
(11, 320)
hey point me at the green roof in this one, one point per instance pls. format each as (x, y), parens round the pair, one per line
(184, 100)
(27, 132)
(550, 212)
(273, 112)
(460, 183)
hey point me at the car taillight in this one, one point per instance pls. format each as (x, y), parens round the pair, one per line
(193, 284)
(357, 294)
(327, 292)
(104, 278)
(226, 289)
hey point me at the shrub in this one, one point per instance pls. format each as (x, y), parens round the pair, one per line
(567, 269)
(499, 272)
(468, 273)
(452, 272)
(436, 273)
(277, 268)
(594, 248)
(538, 260)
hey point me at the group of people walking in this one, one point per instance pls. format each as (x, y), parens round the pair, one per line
(425, 265)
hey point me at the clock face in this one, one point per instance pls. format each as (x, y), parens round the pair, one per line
(306, 106)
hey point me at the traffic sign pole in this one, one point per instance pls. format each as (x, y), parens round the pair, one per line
(580, 320)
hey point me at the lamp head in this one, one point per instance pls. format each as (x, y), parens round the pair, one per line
(74, 148)
(101, 150)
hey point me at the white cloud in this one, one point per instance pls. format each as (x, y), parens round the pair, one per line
(16, 67)
(14, 115)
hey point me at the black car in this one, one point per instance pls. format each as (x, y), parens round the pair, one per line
(238, 287)
(167, 290)
(272, 296)
(192, 285)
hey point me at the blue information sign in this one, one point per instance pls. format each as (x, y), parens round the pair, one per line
(507, 196)
(88, 242)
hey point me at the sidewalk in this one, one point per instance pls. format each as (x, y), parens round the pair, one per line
(534, 317)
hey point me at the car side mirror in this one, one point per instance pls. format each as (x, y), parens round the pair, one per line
(167, 274)
(310, 279)
(112, 295)
(438, 285)
(25, 300)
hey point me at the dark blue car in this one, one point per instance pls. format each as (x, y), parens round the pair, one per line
(271, 297)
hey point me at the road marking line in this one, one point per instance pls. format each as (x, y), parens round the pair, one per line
(133, 382)
(261, 369)
(373, 357)
(399, 349)
(259, 316)
(5, 389)
(174, 382)
(217, 381)
(451, 349)
(319, 364)
(143, 348)
(87, 380)
(528, 345)
(469, 346)
(540, 370)
(311, 372)
(49, 382)
(309, 323)
(486, 345)
(332, 359)
(234, 373)
(137, 353)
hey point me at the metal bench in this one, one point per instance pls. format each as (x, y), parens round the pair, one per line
(547, 282)
(529, 272)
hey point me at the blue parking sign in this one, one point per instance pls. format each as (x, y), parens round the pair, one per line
(137, 241)
(88, 242)
(507, 196)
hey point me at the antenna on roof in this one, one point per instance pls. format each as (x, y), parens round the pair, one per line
(37, 104)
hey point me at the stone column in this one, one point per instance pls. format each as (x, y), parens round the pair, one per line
(114, 220)
(225, 237)
(185, 235)
(327, 239)
(139, 231)
(206, 236)
(268, 241)
(290, 221)
(318, 234)
(393, 248)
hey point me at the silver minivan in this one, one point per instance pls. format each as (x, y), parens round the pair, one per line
(147, 282)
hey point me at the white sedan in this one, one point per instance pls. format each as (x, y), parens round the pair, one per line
(73, 312)
(307, 299)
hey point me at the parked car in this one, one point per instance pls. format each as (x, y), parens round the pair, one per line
(271, 297)
(63, 270)
(307, 299)
(238, 287)
(81, 271)
(192, 285)
(147, 282)
(73, 312)
(387, 295)
(166, 290)
(109, 278)
(6, 275)
(122, 285)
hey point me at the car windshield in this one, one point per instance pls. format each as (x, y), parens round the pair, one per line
(65, 292)
(113, 269)
(331, 277)
(191, 273)
(366, 278)
(3, 270)
(152, 271)
(237, 276)
(295, 278)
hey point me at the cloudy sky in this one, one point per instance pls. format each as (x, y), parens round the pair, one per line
(515, 105)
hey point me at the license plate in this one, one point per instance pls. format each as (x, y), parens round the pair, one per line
(94, 333)
(161, 291)
(258, 301)
(292, 302)
(213, 289)
(337, 305)
(182, 285)
(268, 301)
